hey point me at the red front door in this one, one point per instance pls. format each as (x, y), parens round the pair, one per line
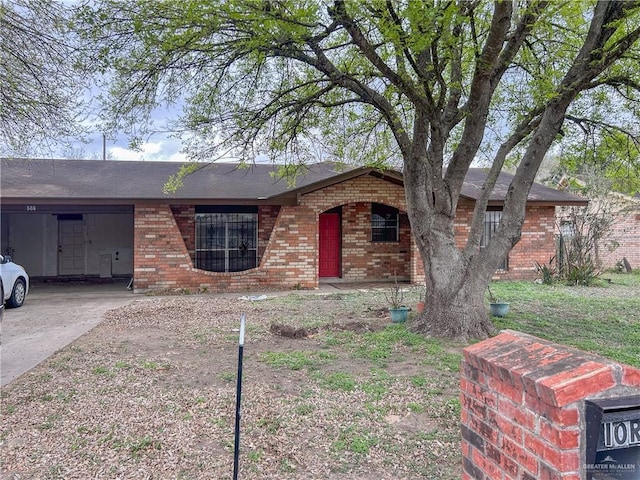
(329, 249)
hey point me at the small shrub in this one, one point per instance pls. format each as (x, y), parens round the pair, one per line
(584, 274)
(547, 272)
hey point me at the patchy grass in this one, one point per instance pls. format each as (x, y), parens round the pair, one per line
(603, 319)
(150, 392)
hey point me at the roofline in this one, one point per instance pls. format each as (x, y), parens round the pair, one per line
(530, 203)
(286, 199)
(342, 177)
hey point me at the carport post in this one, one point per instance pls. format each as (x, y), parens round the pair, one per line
(236, 450)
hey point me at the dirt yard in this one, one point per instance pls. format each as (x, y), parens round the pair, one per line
(331, 390)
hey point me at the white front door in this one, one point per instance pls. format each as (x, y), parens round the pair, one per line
(70, 247)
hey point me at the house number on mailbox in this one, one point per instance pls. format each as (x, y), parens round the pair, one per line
(622, 434)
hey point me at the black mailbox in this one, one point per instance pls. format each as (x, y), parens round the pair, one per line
(613, 438)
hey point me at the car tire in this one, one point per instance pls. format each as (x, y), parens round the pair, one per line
(17, 294)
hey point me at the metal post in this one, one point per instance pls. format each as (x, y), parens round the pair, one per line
(236, 450)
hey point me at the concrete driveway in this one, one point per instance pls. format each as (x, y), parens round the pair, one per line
(52, 317)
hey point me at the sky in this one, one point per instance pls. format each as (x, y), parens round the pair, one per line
(158, 147)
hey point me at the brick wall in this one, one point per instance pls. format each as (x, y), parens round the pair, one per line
(185, 216)
(162, 261)
(537, 243)
(622, 241)
(522, 402)
(288, 237)
(185, 220)
(363, 259)
(267, 215)
(623, 238)
(161, 258)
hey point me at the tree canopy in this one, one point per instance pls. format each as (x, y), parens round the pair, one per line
(431, 87)
(41, 95)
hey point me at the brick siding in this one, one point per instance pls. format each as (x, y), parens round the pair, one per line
(363, 259)
(185, 216)
(185, 219)
(521, 406)
(623, 241)
(537, 242)
(164, 242)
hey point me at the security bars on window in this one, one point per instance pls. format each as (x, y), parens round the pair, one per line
(226, 242)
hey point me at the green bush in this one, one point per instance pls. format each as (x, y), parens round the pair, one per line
(547, 272)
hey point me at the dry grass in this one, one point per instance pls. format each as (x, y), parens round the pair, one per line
(150, 394)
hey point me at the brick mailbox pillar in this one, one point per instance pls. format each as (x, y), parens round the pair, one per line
(523, 411)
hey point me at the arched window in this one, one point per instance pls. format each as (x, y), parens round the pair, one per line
(384, 223)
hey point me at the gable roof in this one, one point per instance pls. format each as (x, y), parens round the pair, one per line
(120, 182)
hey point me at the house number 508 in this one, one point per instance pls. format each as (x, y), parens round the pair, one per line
(31, 208)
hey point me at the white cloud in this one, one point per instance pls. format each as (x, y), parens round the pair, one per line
(161, 151)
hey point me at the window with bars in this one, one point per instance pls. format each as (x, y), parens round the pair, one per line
(226, 241)
(384, 223)
(491, 221)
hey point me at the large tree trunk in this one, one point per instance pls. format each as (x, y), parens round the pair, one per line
(454, 305)
(456, 280)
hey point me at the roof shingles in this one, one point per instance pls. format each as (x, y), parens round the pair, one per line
(59, 180)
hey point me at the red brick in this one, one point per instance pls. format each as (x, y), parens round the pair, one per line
(630, 375)
(566, 438)
(509, 428)
(561, 460)
(472, 373)
(482, 394)
(481, 350)
(572, 385)
(475, 472)
(518, 453)
(485, 430)
(506, 464)
(564, 417)
(489, 468)
(512, 392)
(288, 235)
(550, 473)
(474, 406)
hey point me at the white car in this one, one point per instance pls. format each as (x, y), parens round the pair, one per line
(15, 282)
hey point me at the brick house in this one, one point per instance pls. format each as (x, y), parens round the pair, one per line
(620, 240)
(235, 229)
(624, 239)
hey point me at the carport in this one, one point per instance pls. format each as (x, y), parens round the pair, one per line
(58, 240)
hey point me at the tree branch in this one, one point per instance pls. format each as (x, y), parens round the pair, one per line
(339, 14)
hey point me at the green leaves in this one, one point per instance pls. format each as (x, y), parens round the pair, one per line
(280, 76)
(429, 87)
